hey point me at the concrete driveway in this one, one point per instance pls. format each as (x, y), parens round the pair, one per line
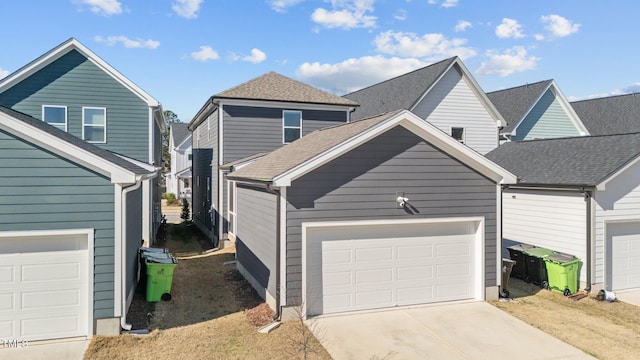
(68, 350)
(471, 330)
(631, 296)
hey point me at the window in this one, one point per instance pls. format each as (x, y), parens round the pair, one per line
(190, 157)
(458, 133)
(55, 115)
(232, 207)
(291, 126)
(94, 124)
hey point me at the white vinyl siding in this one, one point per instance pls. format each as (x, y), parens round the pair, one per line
(55, 115)
(548, 119)
(554, 220)
(94, 124)
(452, 103)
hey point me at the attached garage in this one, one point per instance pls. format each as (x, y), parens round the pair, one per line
(380, 264)
(624, 241)
(45, 288)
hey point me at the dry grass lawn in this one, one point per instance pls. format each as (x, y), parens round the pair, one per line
(599, 328)
(210, 316)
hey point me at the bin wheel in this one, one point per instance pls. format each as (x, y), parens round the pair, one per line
(545, 285)
(527, 279)
(567, 292)
(166, 297)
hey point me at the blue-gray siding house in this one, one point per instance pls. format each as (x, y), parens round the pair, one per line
(73, 89)
(381, 212)
(70, 226)
(258, 116)
(536, 111)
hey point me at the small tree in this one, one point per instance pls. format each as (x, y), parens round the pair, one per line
(185, 214)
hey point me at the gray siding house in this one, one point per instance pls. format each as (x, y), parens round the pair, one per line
(536, 111)
(380, 212)
(257, 116)
(71, 88)
(70, 226)
(445, 94)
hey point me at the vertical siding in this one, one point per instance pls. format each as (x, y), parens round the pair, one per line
(134, 237)
(256, 236)
(362, 185)
(74, 81)
(619, 202)
(547, 119)
(554, 220)
(42, 191)
(205, 152)
(452, 103)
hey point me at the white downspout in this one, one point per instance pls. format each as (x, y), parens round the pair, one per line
(123, 254)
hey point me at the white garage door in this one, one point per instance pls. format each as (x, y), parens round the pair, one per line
(625, 255)
(44, 287)
(361, 267)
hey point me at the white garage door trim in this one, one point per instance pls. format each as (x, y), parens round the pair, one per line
(612, 262)
(390, 229)
(81, 235)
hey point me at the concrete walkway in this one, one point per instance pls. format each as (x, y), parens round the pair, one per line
(67, 350)
(631, 296)
(472, 330)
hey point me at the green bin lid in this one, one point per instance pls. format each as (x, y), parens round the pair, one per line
(539, 252)
(561, 258)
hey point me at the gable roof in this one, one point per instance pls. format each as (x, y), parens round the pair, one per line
(574, 161)
(404, 92)
(179, 132)
(68, 46)
(289, 162)
(610, 115)
(516, 102)
(120, 168)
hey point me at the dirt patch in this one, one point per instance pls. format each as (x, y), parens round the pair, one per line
(213, 314)
(599, 328)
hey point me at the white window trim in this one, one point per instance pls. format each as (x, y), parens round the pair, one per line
(464, 133)
(105, 123)
(284, 127)
(232, 194)
(66, 114)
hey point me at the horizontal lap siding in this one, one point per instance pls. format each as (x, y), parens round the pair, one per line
(134, 237)
(74, 81)
(58, 194)
(256, 235)
(452, 102)
(547, 119)
(362, 185)
(204, 153)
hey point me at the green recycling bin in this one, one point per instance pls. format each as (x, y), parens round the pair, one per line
(536, 269)
(159, 277)
(562, 270)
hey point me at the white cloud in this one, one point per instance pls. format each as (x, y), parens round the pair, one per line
(346, 14)
(462, 25)
(257, 56)
(103, 7)
(3, 73)
(631, 89)
(539, 37)
(282, 5)
(445, 3)
(559, 26)
(355, 73)
(430, 46)
(401, 15)
(128, 43)
(205, 54)
(509, 28)
(187, 8)
(508, 62)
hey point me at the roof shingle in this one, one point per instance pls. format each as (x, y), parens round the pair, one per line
(179, 132)
(513, 103)
(610, 115)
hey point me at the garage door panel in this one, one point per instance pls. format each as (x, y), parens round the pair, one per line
(339, 256)
(339, 278)
(413, 294)
(50, 272)
(453, 291)
(7, 329)
(372, 299)
(7, 275)
(413, 273)
(374, 276)
(625, 255)
(50, 300)
(414, 252)
(60, 325)
(373, 254)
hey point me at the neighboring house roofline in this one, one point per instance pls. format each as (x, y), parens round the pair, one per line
(183, 142)
(367, 129)
(241, 162)
(120, 170)
(207, 109)
(73, 44)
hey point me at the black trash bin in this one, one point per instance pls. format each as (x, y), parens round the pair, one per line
(516, 253)
(536, 267)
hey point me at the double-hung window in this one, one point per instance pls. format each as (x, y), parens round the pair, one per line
(94, 124)
(291, 126)
(55, 115)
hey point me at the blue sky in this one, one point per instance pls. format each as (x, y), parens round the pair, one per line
(183, 51)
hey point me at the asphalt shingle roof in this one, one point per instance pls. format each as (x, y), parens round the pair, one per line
(306, 148)
(583, 161)
(610, 115)
(275, 87)
(513, 103)
(112, 157)
(179, 132)
(399, 93)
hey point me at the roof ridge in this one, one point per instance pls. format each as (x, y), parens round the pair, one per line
(356, 121)
(402, 75)
(633, 94)
(521, 86)
(576, 137)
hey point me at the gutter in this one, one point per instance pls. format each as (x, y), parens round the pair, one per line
(278, 315)
(588, 197)
(123, 254)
